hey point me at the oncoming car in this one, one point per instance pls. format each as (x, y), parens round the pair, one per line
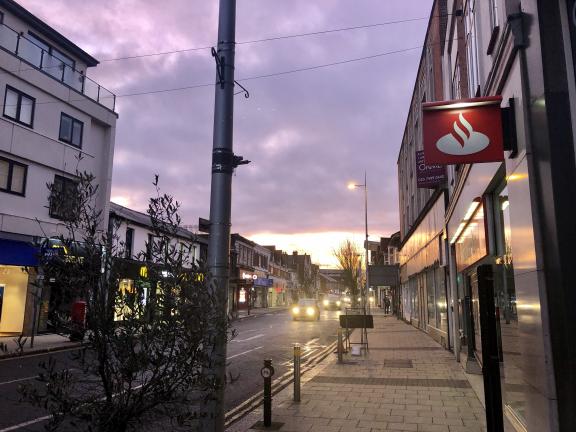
(332, 302)
(306, 309)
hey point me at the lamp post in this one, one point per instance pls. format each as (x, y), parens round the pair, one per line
(365, 186)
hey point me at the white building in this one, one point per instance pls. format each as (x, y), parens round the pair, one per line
(133, 234)
(54, 120)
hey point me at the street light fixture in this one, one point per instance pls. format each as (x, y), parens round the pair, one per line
(351, 186)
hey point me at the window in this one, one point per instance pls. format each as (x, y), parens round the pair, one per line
(12, 177)
(494, 22)
(456, 77)
(71, 130)
(129, 244)
(63, 198)
(19, 106)
(471, 48)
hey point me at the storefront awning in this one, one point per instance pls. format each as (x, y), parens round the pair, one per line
(18, 253)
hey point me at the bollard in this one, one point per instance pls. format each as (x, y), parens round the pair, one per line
(297, 356)
(267, 372)
(340, 346)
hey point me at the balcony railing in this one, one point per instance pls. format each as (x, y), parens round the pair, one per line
(41, 59)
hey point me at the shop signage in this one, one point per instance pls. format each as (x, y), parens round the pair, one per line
(249, 276)
(264, 282)
(463, 131)
(428, 176)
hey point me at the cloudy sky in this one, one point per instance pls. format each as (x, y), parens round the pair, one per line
(307, 133)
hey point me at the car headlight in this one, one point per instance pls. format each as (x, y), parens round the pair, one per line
(310, 311)
(326, 302)
(338, 303)
(296, 310)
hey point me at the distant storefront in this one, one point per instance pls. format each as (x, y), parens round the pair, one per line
(17, 275)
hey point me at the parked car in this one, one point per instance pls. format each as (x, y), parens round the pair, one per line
(332, 302)
(306, 309)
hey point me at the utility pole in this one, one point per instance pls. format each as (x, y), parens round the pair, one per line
(367, 300)
(223, 164)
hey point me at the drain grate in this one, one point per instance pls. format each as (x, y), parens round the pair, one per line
(408, 382)
(398, 363)
(260, 426)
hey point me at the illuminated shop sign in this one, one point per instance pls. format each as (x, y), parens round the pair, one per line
(463, 131)
(249, 276)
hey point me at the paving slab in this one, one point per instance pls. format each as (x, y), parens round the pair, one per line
(404, 382)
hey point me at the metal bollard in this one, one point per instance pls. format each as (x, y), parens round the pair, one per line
(297, 357)
(267, 372)
(340, 346)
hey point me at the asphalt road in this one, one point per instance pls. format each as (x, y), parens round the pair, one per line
(264, 336)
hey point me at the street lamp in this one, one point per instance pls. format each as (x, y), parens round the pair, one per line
(365, 186)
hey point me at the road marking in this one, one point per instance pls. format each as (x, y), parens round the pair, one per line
(25, 424)
(18, 380)
(248, 339)
(242, 353)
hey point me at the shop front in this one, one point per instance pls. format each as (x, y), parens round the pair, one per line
(423, 300)
(18, 261)
(483, 227)
(277, 293)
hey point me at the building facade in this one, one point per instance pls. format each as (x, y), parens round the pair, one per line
(55, 120)
(133, 235)
(422, 299)
(511, 216)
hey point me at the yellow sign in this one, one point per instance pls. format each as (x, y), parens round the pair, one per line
(144, 271)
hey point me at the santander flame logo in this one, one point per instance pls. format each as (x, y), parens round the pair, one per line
(463, 140)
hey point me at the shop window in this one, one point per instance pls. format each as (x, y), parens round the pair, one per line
(12, 176)
(64, 199)
(505, 299)
(71, 130)
(441, 305)
(19, 106)
(431, 295)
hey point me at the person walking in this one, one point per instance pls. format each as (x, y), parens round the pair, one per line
(386, 305)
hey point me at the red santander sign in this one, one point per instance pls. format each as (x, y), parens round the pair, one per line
(463, 131)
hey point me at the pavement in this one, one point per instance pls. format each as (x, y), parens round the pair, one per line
(43, 343)
(405, 382)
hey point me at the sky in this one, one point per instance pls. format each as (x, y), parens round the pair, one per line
(308, 134)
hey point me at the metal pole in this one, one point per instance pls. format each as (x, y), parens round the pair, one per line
(340, 346)
(220, 214)
(268, 395)
(366, 245)
(297, 355)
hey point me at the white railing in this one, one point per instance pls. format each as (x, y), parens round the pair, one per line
(41, 59)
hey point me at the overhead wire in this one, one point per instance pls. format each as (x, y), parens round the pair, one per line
(272, 38)
(262, 76)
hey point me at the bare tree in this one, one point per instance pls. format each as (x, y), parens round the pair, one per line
(142, 365)
(349, 259)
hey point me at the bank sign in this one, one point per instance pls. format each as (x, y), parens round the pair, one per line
(463, 131)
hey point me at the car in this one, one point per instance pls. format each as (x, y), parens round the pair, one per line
(306, 309)
(332, 302)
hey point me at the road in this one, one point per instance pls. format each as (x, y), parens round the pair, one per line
(263, 336)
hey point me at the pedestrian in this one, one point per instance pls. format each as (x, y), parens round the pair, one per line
(386, 305)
